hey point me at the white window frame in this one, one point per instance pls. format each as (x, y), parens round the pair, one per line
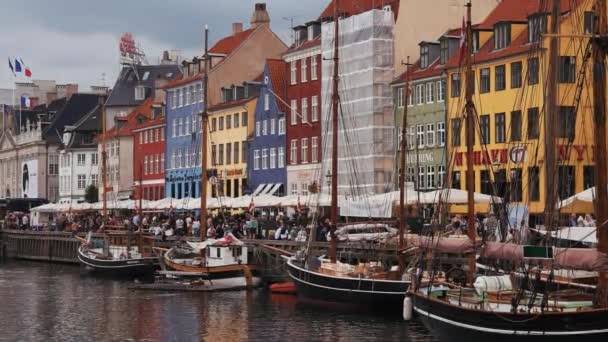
(272, 127)
(314, 149)
(430, 177)
(81, 182)
(266, 102)
(304, 112)
(440, 176)
(430, 92)
(419, 94)
(420, 136)
(180, 95)
(265, 127)
(441, 133)
(400, 93)
(281, 126)
(430, 135)
(313, 68)
(180, 127)
(303, 70)
(421, 178)
(293, 158)
(174, 99)
(294, 75)
(256, 159)
(304, 150)
(314, 108)
(264, 159)
(273, 158)
(440, 91)
(281, 157)
(94, 158)
(187, 96)
(82, 162)
(294, 112)
(258, 128)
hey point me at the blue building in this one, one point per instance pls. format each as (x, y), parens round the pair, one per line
(183, 137)
(267, 147)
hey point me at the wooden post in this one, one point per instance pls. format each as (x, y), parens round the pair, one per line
(402, 156)
(470, 139)
(204, 124)
(333, 244)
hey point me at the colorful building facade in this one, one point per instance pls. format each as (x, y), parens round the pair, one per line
(149, 155)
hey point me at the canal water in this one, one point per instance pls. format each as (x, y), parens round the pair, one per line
(50, 302)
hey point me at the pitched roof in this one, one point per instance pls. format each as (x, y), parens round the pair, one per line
(123, 93)
(88, 125)
(131, 120)
(304, 46)
(231, 104)
(228, 44)
(354, 7)
(416, 73)
(276, 71)
(76, 106)
(181, 80)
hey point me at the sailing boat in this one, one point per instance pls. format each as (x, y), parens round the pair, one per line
(223, 262)
(494, 309)
(114, 256)
(366, 285)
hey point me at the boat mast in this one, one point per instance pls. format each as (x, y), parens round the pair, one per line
(140, 224)
(403, 143)
(599, 110)
(104, 207)
(470, 140)
(333, 244)
(204, 121)
(551, 109)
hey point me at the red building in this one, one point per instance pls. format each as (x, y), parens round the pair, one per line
(149, 154)
(303, 72)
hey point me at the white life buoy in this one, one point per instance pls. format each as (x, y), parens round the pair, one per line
(408, 308)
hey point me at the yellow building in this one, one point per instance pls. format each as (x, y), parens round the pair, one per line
(230, 125)
(511, 66)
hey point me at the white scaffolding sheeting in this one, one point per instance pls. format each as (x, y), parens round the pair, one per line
(367, 130)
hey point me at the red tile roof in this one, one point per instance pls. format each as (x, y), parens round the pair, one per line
(435, 69)
(306, 45)
(228, 44)
(144, 109)
(354, 7)
(276, 69)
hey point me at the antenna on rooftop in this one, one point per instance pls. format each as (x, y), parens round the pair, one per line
(290, 19)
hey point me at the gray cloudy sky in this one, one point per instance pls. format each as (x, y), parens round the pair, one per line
(77, 40)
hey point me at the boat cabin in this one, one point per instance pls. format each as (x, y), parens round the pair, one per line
(226, 255)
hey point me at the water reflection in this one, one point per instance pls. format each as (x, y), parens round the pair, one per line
(57, 303)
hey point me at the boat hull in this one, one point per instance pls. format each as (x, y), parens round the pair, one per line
(118, 268)
(453, 323)
(373, 294)
(241, 276)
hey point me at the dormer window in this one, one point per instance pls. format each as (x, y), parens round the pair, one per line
(502, 35)
(140, 93)
(475, 41)
(387, 8)
(424, 56)
(537, 25)
(311, 32)
(444, 47)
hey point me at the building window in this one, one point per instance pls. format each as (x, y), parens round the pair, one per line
(314, 113)
(430, 177)
(256, 159)
(304, 110)
(566, 181)
(294, 112)
(533, 123)
(456, 180)
(213, 154)
(220, 123)
(228, 121)
(484, 80)
(244, 151)
(236, 152)
(293, 75)
(264, 159)
(228, 154)
(180, 95)
(294, 188)
(516, 186)
(590, 19)
(187, 96)
(95, 179)
(444, 50)
(484, 127)
(244, 119)
(424, 56)
(81, 159)
(281, 160)
(314, 149)
(281, 126)
(500, 182)
(313, 68)
(516, 125)
(265, 127)
(456, 126)
(420, 136)
(533, 184)
(258, 126)
(293, 157)
(499, 123)
(174, 133)
(455, 85)
(236, 120)
(399, 96)
(421, 177)
(420, 94)
(82, 182)
(162, 134)
(303, 70)
(486, 182)
(162, 162)
(266, 102)
(567, 121)
(186, 125)
(441, 133)
(174, 99)
(567, 69)
(440, 91)
(501, 80)
(430, 135)
(411, 137)
(516, 75)
(502, 35)
(220, 156)
(588, 176)
(533, 69)
(537, 25)
(272, 127)
(273, 158)
(440, 176)
(140, 93)
(180, 127)
(304, 146)
(430, 92)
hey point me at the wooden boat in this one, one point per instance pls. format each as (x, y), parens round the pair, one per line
(120, 263)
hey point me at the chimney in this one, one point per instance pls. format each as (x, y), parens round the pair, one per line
(260, 16)
(237, 28)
